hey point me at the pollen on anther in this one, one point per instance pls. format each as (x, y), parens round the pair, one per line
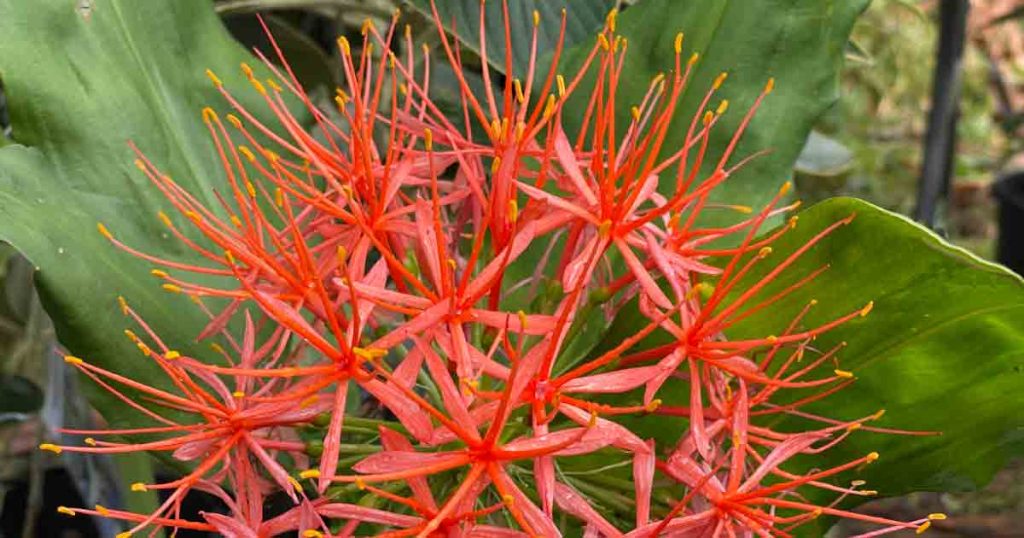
(867, 309)
(214, 78)
(312, 533)
(536, 18)
(139, 486)
(104, 231)
(678, 45)
(173, 288)
(65, 510)
(49, 447)
(720, 79)
(71, 359)
(844, 374)
(309, 473)
(171, 355)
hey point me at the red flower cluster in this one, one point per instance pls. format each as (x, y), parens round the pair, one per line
(440, 277)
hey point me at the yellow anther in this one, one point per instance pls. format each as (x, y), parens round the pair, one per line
(518, 86)
(217, 348)
(247, 70)
(937, 516)
(867, 309)
(495, 165)
(230, 257)
(104, 231)
(408, 31)
(369, 353)
(522, 319)
(391, 60)
(139, 486)
(857, 483)
(603, 42)
(209, 116)
(65, 510)
(722, 107)
(102, 510)
(785, 188)
(635, 112)
(871, 457)
(772, 339)
(51, 448)
(452, 264)
(247, 153)
(770, 85)
(536, 18)
(258, 85)
(271, 156)
(309, 473)
(312, 533)
(236, 221)
(131, 335)
(605, 228)
(869, 492)
(234, 121)
(279, 197)
(513, 210)
(878, 415)
(745, 209)
(140, 164)
(238, 394)
(708, 117)
(613, 15)
(159, 273)
(509, 500)
(308, 401)
(923, 527)
(124, 304)
(295, 483)
(854, 427)
(720, 79)
(144, 348)
(341, 255)
(214, 78)
(164, 219)
(679, 43)
(426, 49)
(250, 188)
(172, 354)
(816, 513)
(844, 374)
(89, 441)
(365, 28)
(764, 252)
(549, 107)
(343, 44)
(653, 405)
(125, 534)
(560, 82)
(173, 288)
(71, 359)
(360, 483)
(193, 216)
(693, 59)
(428, 139)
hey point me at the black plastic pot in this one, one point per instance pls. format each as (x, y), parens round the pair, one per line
(1009, 191)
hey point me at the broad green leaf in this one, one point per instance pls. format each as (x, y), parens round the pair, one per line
(799, 43)
(583, 19)
(80, 84)
(942, 350)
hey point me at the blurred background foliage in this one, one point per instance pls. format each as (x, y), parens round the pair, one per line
(868, 145)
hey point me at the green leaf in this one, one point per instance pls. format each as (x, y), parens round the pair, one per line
(942, 350)
(583, 19)
(80, 84)
(800, 43)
